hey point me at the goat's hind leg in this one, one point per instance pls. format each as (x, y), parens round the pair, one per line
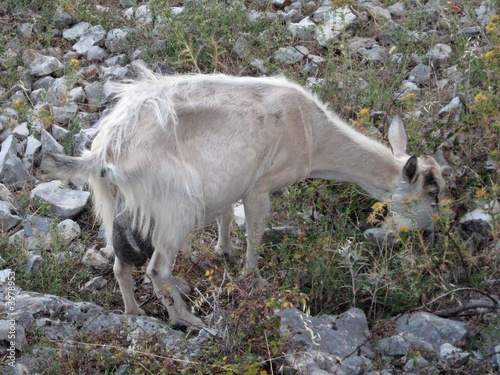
(160, 272)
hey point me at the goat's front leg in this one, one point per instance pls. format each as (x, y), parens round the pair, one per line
(224, 245)
(257, 208)
(123, 274)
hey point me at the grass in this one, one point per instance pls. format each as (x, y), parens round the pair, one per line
(329, 267)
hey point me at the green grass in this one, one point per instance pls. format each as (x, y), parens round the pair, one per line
(330, 266)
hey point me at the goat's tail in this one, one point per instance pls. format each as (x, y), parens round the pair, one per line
(66, 167)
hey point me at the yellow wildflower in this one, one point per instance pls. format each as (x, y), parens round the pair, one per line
(75, 63)
(479, 97)
(410, 96)
(377, 207)
(489, 54)
(480, 192)
(491, 27)
(403, 228)
(17, 103)
(364, 111)
(495, 19)
(435, 217)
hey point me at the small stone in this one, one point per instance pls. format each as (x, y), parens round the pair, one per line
(49, 144)
(8, 216)
(95, 283)
(45, 65)
(421, 74)
(76, 31)
(63, 115)
(68, 230)
(95, 259)
(34, 263)
(291, 55)
(439, 54)
(96, 54)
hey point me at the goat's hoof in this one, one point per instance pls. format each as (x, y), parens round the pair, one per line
(136, 311)
(228, 252)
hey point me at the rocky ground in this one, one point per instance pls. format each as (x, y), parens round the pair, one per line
(52, 96)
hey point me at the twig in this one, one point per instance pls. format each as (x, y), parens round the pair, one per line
(269, 353)
(464, 265)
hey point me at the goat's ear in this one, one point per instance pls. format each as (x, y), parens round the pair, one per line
(410, 170)
(397, 136)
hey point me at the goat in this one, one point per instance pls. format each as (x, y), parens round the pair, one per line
(177, 150)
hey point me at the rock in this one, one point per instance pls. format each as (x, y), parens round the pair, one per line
(76, 31)
(143, 15)
(303, 30)
(34, 263)
(93, 91)
(21, 131)
(95, 283)
(470, 31)
(45, 65)
(380, 236)
(68, 230)
(116, 41)
(96, 54)
(421, 74)
(327, 342)
(239, 214)
(62, 19)
(128, 3)
(453, 107)
(313, 63)
(77, 95)
(63, 115)
(453, 356)
(57, 93)
(439, 54)
(13, 173)
(430, 329)
(49, 144)
(291, 55)
(6, 329)
(319, 14)
(375, 53)
(33, 147)
(333, 23)
(406, 88)
(91, 37)
(397, 10)
(59, 133)
(480, 220)
(95, 259)
(83, 139)
(8, 216)
(63, 202)
(115, 72)
(240, 47)
(25, 30)
(419, 364)
(278, 234)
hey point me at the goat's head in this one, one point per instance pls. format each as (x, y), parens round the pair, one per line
(420, 187)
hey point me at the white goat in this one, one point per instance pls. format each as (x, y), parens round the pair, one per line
(178, 150)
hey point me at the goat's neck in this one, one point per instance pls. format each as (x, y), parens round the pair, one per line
(342, 154)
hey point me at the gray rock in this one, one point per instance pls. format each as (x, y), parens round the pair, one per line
(470, 31)
(49, 144)
(59, 133)
(44, 83)
(439, 54)
(375, 53)
(77, 95)
(406, 88)
(83, 139)
(8, 216)
(91, 37)
(143, 15)
(278, 234)
(452, 107)
(291, 55)
(63, 202)
(95, 283)
(93, 91)
(303, 30)
(96, 259)
(63, 115)
(6, 327)
(116, 41)
(319, 14)
(481, 219)
(115, 72)
(313, 63)
(33, 147)
(431, 329)
(419, 364)
(57, 94)
(62, 19)
(453, 356)
(13, 173)
(34, 263)
(68, 230)
(397, 10)
(96, 54)
(128, 3)
(76, 31)
(333, 23)
(380, 236)
(21, 131)
(45, 65)
(25, 30)
(320, 343)
(240, 47)
(421, 74)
